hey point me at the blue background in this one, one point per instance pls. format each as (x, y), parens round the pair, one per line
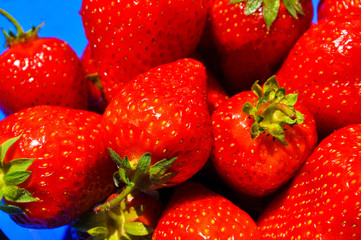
(62, 20)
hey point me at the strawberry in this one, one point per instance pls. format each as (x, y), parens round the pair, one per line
(128, 38)
(245, 153)
(254, 37)
(332, 8)
(135, 217)
(160, 120)
(97, 100)
(195, 212)
(323, 201)
(39, 71)
(323, 68)
(71, 172)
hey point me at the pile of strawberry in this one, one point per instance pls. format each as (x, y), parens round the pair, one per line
(187, 119)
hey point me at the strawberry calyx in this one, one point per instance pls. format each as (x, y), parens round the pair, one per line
(12, 174)
(143, 177)
(20, 36)
(273, 110)
(121, 222)
(271, 8)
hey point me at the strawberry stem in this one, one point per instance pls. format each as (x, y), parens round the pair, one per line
(144, 177)
(19, 29)
(126, 191)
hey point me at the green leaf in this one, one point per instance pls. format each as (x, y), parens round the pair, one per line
(126, 164)
(16, 178)
(277, 131)
(16, 194)
(138, 229)
(290, 7)
(160, 167)
(144, 163)
(10, 209)
(4, 147)
(18, 165)
(123, 176)
(117, 159)
(270, 11)
(290, 99)
(116, 179)
(252, 6)
(98, 232)
(164, 179)
(249, 109)
(257, 89)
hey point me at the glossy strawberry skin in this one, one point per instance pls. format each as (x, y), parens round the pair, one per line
(128, 38)
(41, 71)
(248, 50)
(257, 166)
(72, 171)
(323, 68)
(323, 201)
(332, 8)
(195, 212)
(163, 112)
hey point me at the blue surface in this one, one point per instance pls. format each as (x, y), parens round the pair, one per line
(62, 20)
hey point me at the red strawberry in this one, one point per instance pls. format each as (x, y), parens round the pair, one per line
(245, 153)
(135, 217)
(160, 120)
(97, 100)
(37, 71)
(128, 38)
(195, 212)
(254, 37)
(72, 171)
(323, 68)
(323, 201)
(332, 8)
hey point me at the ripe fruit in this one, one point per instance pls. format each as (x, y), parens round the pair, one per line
(160, 120)
(323, 68)
(39, 71)
(323, 201)
(195, 212)
(333, 8)
(72, 170)
(128, 38)
(261, 139)
(254, 37)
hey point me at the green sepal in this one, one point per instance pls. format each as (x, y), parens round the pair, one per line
(252, 6)
(10, 209)
(144, 178)
(98, 232)
(138, 229)
(271, 8)
(16, 194)
(144, 163)
(18, 165)
(16, 178)
(4, 147)
(116, 158)
(160, 167)
(11, 174)
(273, 110)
